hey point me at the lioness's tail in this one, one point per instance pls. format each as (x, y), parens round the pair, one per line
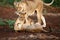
(48, 4)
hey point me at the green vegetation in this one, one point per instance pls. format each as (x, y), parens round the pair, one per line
(10, 2)
(7, 2)
(4, 22)
(10, 23)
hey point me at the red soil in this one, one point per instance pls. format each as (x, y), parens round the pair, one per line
(8, 13)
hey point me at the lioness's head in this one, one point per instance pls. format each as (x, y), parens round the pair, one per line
(20, 7)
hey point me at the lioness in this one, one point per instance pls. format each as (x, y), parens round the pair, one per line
(29, 7)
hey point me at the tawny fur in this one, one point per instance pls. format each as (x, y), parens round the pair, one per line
(19, 22)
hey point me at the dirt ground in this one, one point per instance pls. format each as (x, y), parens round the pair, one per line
(53, 24)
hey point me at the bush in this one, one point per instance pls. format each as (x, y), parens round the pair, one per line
(9, 3)
(55, 4)
(4, 22)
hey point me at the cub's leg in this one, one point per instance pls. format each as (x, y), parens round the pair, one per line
(26, 18)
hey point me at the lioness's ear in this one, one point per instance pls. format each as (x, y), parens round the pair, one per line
(17, 13)
(15, 3)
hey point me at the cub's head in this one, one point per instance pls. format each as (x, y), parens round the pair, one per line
(22, 16)
(20, 7)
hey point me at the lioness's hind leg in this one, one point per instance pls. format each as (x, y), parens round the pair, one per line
(38, 17)
(39, 13)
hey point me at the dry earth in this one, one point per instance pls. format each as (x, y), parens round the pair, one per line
(53, 24)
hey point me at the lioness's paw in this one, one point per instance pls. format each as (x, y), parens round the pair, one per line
(43, 25)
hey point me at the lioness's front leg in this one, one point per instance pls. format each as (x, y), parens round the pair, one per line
(38, 17)
(41, 17)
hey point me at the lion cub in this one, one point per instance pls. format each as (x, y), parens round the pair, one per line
(20, 24)
(21, 21)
